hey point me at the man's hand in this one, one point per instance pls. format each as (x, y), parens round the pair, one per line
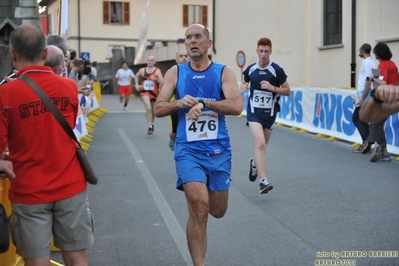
(265, 85)
(244, 86)
(85, 91)
(187, 102)
(196, 111)
(387, 93)
(6, 170)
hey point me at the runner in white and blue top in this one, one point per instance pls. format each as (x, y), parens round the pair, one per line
(264, 103)
(266, 81)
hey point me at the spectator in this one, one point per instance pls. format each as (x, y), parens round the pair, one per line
(76, 74)
(114, 18)
(49, 191)
(61, 43)
(361, 94)
(94, 70)
(55, 59)
(388, 76)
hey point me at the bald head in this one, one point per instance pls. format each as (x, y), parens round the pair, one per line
(28, 43)
(181, 57)
(151, 61)
(204, 30)
(55, 59)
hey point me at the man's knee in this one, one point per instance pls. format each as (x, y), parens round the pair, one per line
(218, 212)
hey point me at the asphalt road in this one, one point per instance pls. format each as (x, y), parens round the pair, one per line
(326, 200)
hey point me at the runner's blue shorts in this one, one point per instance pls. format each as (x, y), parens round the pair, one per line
(265, 120)
(212, 169)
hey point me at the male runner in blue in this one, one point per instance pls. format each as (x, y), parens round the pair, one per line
(205, 92)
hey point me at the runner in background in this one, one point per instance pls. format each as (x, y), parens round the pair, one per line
(150, 76)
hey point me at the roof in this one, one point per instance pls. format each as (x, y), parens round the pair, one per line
(45, 2)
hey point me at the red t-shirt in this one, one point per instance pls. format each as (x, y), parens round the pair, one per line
(42, 153)
(389, 72)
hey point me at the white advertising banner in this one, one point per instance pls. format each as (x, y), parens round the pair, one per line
(329, 111)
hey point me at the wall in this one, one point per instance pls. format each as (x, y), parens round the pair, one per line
(295, 28)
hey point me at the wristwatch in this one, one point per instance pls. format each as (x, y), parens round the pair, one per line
(375, 99)
(203, 103)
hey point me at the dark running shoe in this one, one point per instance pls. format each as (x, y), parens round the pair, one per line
(150, 131)
(368, 148)
(172, 144)
(265, 188)
(361, 148)
(253, 173)
(377, 154)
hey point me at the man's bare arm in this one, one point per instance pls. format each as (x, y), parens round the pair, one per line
(232, 105)
(136, 79)
(371, 111)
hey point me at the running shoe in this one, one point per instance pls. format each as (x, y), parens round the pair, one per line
(377, 154)
(386, 158)
(361, 148)
(150, 131)
(264, 188)
(381, 158)
(253, 173)
(368, 148)
(172, 144)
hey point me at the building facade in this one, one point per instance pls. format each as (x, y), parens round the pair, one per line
(315, 41)
(96, 27)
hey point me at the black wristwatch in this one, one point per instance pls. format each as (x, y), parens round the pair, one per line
(203, 103)
(375, 99)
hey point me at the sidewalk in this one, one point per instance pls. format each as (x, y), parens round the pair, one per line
(113, 105)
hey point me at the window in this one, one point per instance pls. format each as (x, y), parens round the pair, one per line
(195, 14)
(5, 34)
(332, 22)
(116, 12)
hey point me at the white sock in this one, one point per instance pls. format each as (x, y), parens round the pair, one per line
(253, 163)
(264, 181)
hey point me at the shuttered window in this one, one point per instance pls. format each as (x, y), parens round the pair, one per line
(126, 16)
(195, 14)
(116, 13)
(106, 17)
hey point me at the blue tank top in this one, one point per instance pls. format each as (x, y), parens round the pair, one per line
(209, 135)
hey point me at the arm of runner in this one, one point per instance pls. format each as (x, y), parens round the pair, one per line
(160, 76)
(232, 104)
(163, 106)
(136, 80)
(244, 86)
(284, 89)
(371, 111)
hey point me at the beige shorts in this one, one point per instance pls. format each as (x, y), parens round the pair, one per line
(69, 221)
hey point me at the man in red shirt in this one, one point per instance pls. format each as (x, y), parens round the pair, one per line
(48, 193)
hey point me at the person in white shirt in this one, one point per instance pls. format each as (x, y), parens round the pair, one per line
(124, 76)
(361, 94)
(94, 70)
